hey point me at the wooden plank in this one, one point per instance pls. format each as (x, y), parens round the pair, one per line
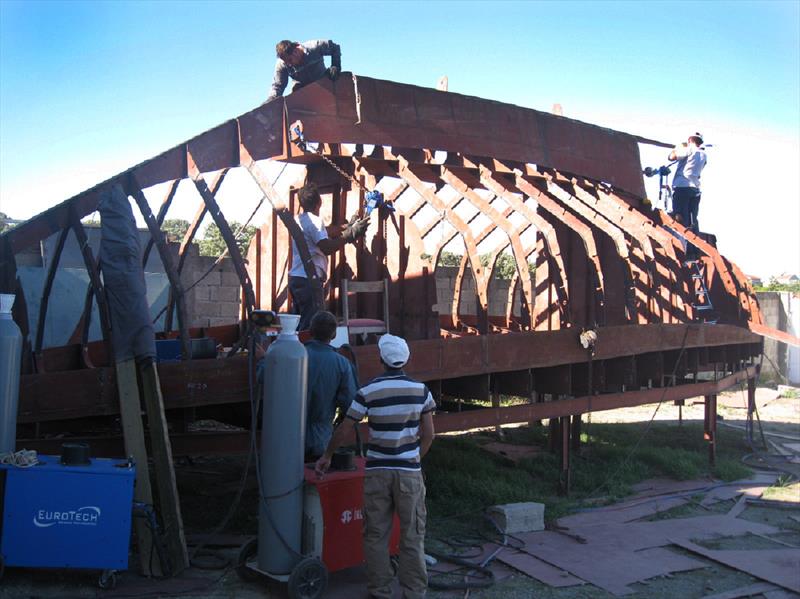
(365, 286)
(169, 505)
(133, 431)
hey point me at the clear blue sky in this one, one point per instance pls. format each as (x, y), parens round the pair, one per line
(113, 83)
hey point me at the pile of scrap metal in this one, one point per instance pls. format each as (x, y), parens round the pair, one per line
(566, 197)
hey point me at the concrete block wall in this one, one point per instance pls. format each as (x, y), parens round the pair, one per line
(445, 289)
(216, 300)
(781, 311)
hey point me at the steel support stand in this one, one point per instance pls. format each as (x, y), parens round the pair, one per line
(710, 428)
(565, 445)
(751, 408)
(576, 432)
(555, 435)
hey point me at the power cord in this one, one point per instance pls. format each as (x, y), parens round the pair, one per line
(633, 449)
(24, 458)
(157, 546)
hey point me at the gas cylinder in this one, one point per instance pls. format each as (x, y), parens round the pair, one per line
(10, 360)
(282, 450)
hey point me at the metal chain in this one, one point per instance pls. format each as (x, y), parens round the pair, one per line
(302, 144)
(333, 165)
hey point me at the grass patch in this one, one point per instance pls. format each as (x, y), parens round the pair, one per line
(784, 489)
(505, 401)
(462, 479)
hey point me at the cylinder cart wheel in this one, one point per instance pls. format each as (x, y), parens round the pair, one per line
(308, 579)
(246, 553)
(108, 579)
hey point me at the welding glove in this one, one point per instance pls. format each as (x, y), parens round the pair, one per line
(333, 73)
(355, 229)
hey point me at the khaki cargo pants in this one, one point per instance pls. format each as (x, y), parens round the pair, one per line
(387, 492)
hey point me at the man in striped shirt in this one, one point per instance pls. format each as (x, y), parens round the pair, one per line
(400, 415)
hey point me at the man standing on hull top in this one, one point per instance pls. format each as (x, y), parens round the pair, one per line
(304, 63)
(686, 183)
(400, 415)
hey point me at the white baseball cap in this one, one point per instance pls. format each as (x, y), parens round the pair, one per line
(394, 350)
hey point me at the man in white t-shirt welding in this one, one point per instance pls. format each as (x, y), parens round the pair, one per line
(307, 294)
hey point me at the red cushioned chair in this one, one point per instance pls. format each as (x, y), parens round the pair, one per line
(365, 326)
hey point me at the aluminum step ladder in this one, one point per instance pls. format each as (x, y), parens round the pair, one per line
(703, 307)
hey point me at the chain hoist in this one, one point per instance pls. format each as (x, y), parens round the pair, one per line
(373, 199)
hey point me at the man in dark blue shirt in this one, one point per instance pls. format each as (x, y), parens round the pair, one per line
(304, 63)
(331, 384)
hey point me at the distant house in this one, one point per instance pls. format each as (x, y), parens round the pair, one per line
(786, 278)
(755, 280)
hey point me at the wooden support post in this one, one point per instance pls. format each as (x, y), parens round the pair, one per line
(169, 505)
(565, 445)
(133, 432)
(710, 428)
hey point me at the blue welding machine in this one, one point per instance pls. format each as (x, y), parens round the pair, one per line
(66, 516)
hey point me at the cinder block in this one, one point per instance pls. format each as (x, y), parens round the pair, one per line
(223, 294)
(201, 292)
(208, 309)
(444, 297)
(512, 518)
(212, 279)
(229, 278)
(218, 321)
(228, 310)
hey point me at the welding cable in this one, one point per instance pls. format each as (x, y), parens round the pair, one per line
(774, 367)
(768, 466)
(472, 570)
(148, 513)
(205, 584)
(475, 575)
(649, 425)
(223, 562)
(24, 458)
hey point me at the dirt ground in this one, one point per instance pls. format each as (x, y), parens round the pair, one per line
(780, 419)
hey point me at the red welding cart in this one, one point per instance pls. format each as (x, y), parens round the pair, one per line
(333, 518)
(332, 532)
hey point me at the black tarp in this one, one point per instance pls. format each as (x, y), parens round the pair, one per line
(123, 277)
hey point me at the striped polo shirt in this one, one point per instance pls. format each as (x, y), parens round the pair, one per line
(393, 405)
